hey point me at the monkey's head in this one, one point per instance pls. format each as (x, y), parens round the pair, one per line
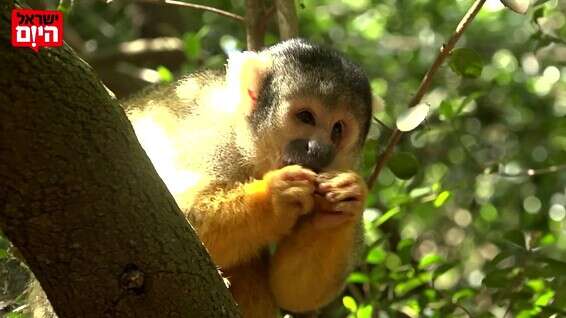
(302, 104)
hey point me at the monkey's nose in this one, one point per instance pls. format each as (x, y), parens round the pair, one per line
(319, 154)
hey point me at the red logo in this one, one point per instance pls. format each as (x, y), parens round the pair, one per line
(36, 28)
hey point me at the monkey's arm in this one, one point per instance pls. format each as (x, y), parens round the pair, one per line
(309, 267)
(236, 223)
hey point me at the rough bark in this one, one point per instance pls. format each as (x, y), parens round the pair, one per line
(287, 19)
(255, 24)
(81, 201)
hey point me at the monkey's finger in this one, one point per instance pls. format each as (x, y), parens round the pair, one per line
(326, 176)
(340, 181)
(298, 188)
(296, 172)
(353, 192)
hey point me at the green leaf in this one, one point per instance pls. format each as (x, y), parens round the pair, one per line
(412, 117)
(358, 278)
(547, 239)
(560, 297)
(350, 303)
(463, 294)
(539, 13)
(443, 269)
(404, 165)
(518, 6)
(441, 198)
(405, 287)
(387, 215)
(466, 62)
(429, 259)
(365, 312)
(192, 45)
(488, 212)
(446, 109)
(165, 74)
(376, 255)
(496, 279)
(545, 298)
(515, 237)
(540, 2)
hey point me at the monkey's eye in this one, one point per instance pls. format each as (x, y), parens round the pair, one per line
(306, 117)
(337, 131)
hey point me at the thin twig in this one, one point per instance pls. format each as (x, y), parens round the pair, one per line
(380, 122)
(533, 172)
(425, 84)
(202, 7)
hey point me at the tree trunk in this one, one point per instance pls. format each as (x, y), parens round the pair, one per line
(81, 201)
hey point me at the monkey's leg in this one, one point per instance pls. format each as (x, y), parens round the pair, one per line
(235, 224)
(250, 288)
(309, 267)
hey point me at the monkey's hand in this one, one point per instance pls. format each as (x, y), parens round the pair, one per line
(309, 266)
(291, 189)
(339, 198)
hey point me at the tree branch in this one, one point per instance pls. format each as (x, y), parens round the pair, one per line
(200, 7)
(445, 51)
(287, 19)
(255, 24)
(533, 172)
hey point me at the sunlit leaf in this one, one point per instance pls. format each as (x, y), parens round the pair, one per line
(545, 298)
(350, 303)
(463, 294)
(404, 165)
(411, 284)
(365, 312)
(466, 62)
(387, 215)
(412, 117)
(429, 259)
(441, 198)
(165, 74)
(357, 278)
(376, 255)
(519, 6)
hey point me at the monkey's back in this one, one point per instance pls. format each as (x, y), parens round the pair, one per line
(183, 128)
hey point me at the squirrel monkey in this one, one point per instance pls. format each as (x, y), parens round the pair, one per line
(260, 158)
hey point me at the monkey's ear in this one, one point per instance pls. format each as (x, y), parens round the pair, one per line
(245, 73)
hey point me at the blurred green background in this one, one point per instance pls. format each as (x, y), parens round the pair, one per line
(469, 218)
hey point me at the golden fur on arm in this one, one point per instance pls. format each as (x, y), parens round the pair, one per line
(235, 223)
